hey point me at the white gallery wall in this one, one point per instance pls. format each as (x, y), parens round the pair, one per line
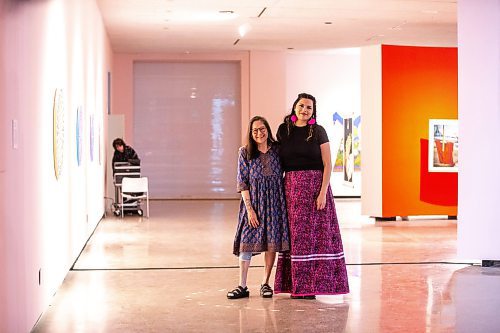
(479, 128)
(371, 112)
(48, 46)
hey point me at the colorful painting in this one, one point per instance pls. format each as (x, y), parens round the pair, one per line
(79, 135)
(348, 151)
(338, 145)
(99, 143)
(443, 145)
(91, 143)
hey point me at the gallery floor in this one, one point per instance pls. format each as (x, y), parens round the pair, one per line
(171, 272)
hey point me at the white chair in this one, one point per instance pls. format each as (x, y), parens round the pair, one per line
(134, 185)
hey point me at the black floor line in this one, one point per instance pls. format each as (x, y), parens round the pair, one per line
(260, 266)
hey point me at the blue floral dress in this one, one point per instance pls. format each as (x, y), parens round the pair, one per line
(263, 177)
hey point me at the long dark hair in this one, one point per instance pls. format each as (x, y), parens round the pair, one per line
(289, 123)
(252, 150)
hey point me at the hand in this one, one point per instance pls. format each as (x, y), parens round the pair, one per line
(321, 201)
(252, 218)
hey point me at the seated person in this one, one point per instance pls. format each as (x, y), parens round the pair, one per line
(124, 153)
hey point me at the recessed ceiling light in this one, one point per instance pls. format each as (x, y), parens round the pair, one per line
(243, 29)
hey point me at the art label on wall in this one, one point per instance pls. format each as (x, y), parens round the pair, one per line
(58, 132)
(443, 145)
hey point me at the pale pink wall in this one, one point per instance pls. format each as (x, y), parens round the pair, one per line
(123, 81)
(122, 91)
(45, 45)
(268, 84)
(3, 144)
(479, 128)
(24, 30)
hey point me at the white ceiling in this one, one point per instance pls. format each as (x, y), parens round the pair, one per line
(197, 26)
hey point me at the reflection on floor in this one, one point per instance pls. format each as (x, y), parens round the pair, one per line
(170, 273)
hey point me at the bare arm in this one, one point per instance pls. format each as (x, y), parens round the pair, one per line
(326, 156)
(252, 216)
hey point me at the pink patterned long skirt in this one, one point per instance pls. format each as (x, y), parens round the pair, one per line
(315, 264)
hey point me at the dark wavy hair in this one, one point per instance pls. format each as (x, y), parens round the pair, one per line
(118, 142)
(252, 150)
(289, 123)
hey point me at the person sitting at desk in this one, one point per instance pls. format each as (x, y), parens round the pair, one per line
(124, 153)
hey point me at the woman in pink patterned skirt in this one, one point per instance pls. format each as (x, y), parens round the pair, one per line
(315, 264)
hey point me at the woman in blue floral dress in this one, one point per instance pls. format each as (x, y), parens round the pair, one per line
(262, 219)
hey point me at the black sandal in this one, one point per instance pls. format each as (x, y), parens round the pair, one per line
(266, 291)
(238, 292)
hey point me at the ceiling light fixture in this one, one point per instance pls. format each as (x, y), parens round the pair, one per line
(243, 29)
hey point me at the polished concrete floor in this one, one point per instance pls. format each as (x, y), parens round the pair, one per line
(171, 273)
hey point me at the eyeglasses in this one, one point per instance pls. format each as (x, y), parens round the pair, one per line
(262, 130)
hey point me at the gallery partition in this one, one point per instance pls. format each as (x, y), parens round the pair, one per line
(410, 109)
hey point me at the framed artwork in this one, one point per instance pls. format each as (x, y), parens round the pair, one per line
(443, 145)
(91, 136)
(348, 151)
(99, 143)
(336, 136)
(79, 135)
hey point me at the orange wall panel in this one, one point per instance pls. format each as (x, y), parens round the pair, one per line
(418, 84)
